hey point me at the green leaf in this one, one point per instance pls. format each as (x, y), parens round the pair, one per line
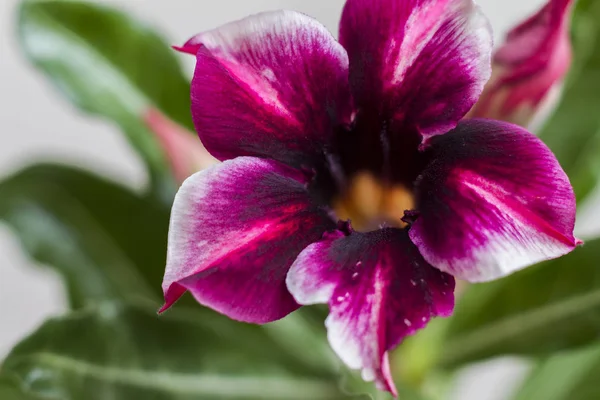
(545, 308)
(107, 64)
(352, 382)
(115, 351)
(566, 376)
(416, 357)
(573, 131)
(105, 241)
(10, 389)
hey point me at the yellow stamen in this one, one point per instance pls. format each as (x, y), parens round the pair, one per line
(368, 202)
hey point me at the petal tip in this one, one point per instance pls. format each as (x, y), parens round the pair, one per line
(387, 380)
(186, 48)
(164, 308)
(172, 293)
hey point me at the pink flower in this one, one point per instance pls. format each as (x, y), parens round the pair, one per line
(528, 70)
(313, 132)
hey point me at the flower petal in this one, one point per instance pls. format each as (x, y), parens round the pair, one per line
(379, 290)
(492, 200)
(235, 230)
(423, 62)
(272, 85)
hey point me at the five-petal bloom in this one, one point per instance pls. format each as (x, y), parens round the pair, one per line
(529, 68)
(314, 132)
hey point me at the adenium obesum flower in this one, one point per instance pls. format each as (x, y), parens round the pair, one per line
(529, 68)
(349, 177)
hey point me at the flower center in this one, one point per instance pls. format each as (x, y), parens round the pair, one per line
(370, 203)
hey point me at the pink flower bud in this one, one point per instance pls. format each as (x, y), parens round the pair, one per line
(529, 68)
(182, 148)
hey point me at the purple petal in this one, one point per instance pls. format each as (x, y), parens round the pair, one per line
(273, 85)
(379, 290)
(423, 62)
(235, 230)
(492, 200)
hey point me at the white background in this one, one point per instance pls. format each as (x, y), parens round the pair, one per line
(36, 123)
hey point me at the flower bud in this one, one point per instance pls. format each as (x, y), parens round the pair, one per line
(529, 68)
(183, 150)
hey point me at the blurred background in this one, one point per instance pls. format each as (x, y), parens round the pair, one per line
(37, 124)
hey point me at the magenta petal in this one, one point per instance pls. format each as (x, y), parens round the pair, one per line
(379, 290)
(493, 200)
(235, 230)
(273, 85)
(424, 62)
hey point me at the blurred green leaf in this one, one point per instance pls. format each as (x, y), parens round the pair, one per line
(352, 382)
(107, 64)
(552, 306)
(414, 360)
(566, 376)
(115, 351)
(573, 131)
(10, 389)
(105, 241)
